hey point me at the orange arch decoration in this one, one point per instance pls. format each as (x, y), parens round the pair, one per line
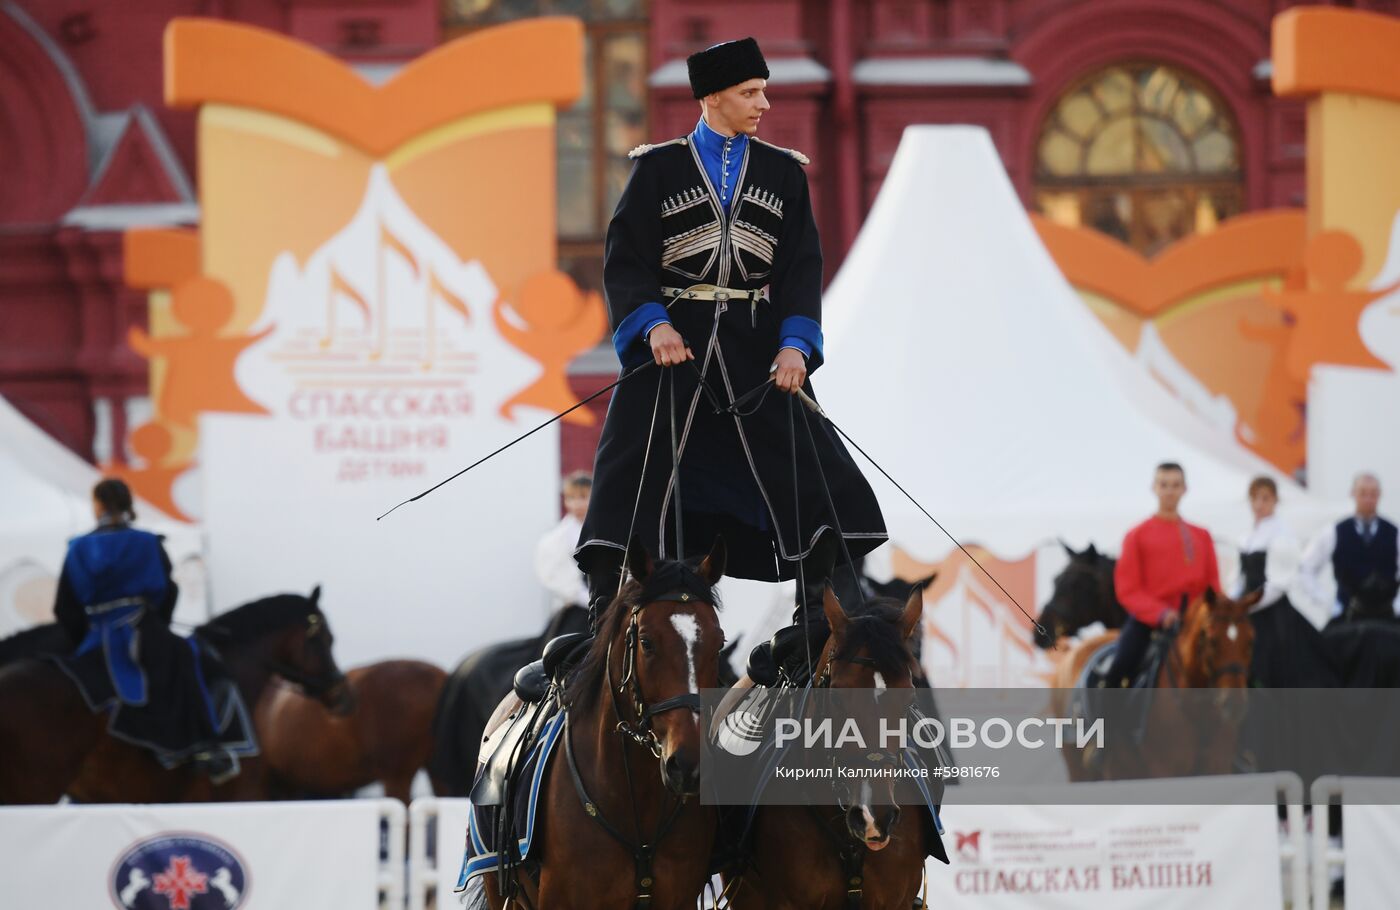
(1206, 298)
(1254, 246)
(1317, 49)
(210, 60)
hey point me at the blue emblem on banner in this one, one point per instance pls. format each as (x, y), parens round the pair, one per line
(179, 872)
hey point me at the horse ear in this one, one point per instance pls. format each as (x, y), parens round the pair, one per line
(712, 567)
(1250, 599)
(1092, 552)
(638, 560)
(1211, 597)
(835, 615)
(914, 608)
(1069, 551)
(315, 597)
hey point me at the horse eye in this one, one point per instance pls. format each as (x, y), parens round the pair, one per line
(647, 646)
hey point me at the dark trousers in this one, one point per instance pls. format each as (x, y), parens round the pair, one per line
(1132, 645)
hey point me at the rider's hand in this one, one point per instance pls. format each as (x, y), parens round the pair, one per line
(790, 370)
(667, 346)
(1170, 619)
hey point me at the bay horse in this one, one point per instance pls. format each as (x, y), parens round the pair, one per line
(53, 744)
(1209, 649)
(806, 857)
(386, 737)
(614, 835)
(1082, 595)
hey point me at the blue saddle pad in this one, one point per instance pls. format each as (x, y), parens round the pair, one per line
(483, 854)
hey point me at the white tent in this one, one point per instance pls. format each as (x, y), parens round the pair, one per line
(46, 492)
(961, 359)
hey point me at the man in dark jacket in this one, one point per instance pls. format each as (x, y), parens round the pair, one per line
(713, 270)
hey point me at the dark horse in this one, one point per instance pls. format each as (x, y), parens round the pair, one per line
(632, 704)
(1083, 595)
(1364, 642)
(471, 694)
(386, 737)
(53, 744)
(816, 858)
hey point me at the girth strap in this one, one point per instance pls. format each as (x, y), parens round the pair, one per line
(852, 861)
(642, 854)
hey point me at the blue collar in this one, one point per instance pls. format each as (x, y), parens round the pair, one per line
(722, 157)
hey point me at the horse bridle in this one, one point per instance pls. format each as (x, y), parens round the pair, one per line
(850, 851)
(641, 732)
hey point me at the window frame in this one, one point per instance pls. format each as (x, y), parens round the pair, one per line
(597, 31)
(1191, 184)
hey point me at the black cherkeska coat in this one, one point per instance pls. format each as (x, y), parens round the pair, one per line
(736, 472)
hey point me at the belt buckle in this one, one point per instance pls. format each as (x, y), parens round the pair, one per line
(722, 296)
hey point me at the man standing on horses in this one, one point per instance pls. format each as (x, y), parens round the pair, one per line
(1166, 564)
(115, 600)
(713, 271)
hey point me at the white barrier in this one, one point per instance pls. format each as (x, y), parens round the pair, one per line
(291, 854)
(435, 872)
(433, 862)
(1370, 839)
(1029, 847)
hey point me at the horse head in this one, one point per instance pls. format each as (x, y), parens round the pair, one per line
(1216, 642)
(657, 646)
(870, 650)
(1374, 598)
(290, 637)
(1082, 594)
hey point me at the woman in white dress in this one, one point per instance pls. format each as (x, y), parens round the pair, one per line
(1288, 650)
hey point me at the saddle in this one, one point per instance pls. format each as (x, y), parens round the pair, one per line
(517, 750)
(782, 660)
(1144, 682)
(532, 681)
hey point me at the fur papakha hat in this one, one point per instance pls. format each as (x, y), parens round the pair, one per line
(717, 68)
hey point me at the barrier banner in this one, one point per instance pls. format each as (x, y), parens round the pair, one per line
(193, 857)
(1371, 840)
(451, 844)
(1125, 856)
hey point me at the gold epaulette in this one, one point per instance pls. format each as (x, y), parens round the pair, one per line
(646, 149)
(796, 155)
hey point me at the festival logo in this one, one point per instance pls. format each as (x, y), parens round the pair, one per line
(179, 872)
(968, 846)
(378, 386)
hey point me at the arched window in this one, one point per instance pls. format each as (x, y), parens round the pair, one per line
(1142, 152)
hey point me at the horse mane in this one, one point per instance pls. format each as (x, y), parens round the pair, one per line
(253, 620)
(874, 628)
(36, 641)
(585, 682)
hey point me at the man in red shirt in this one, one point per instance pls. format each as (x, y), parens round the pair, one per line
(1165, 564)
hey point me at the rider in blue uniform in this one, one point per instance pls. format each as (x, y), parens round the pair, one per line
(115, 600)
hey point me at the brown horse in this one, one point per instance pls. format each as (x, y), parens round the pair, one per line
(386, 737)
(805, 857)
(633, 703)
(1211, 649)
(53, 744)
